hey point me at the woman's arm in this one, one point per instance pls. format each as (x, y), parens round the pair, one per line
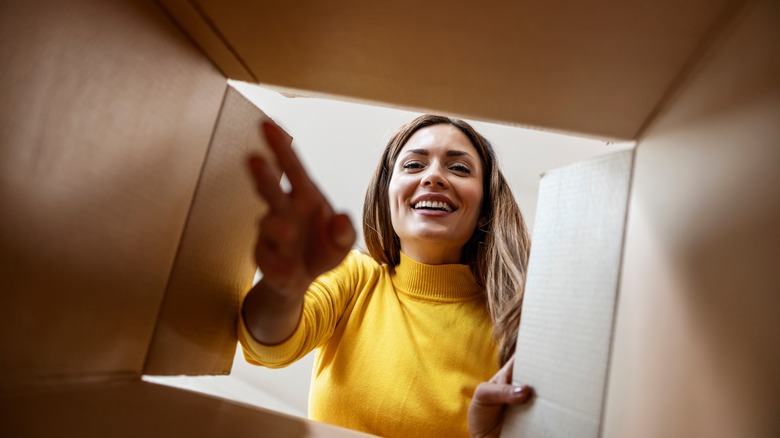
(271, 317)
(300, 238)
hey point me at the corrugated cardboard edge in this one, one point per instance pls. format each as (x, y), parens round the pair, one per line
(195, 23)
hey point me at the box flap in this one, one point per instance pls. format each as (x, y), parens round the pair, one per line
(568, 309)
(140, 409)
(214, 267)
(106, 116)
(598, 68)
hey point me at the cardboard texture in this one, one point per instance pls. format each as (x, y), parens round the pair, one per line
(108, 256)
(568, 309)
(696, 350)
(197, 25)
(598, 68)
(196, 329)
(140, 409)
(105, 119)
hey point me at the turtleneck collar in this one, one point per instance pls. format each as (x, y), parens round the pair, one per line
(435, 282)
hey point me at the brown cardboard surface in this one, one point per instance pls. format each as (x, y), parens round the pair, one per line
(105, 118)
(196, 329)
(140, 409)
(696, 351)
(597, 68)
(568, 308)
(196, 24)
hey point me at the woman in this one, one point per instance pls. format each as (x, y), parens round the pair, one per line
(405, 335)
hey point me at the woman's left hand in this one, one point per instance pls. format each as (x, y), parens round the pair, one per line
(486, 411)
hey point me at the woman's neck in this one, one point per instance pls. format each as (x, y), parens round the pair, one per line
(432, 254)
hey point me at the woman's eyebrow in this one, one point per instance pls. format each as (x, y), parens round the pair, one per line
(450, 153)
(457, 153)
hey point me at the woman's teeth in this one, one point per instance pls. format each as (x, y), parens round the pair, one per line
(433, 205)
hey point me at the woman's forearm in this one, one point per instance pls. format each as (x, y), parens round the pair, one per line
(271, 317)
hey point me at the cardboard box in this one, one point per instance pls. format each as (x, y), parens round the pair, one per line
(107, 173)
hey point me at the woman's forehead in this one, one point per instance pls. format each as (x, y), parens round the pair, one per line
(441, 138)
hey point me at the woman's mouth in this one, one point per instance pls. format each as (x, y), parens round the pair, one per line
(433, 205)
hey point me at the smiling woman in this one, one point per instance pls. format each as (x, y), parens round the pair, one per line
(403, 336)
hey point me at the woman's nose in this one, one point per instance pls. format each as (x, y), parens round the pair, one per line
(433, 177)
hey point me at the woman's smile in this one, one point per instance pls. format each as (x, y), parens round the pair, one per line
(432, 204)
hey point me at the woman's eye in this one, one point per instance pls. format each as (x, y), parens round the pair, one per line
(413, 165)
(460, 168)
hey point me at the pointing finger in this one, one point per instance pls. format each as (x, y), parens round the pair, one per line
(280, 143)
(266, 181)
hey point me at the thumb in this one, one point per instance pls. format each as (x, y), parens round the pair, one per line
(342, 232)
(488, 393)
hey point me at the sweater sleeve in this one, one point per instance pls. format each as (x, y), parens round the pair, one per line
(324, 304)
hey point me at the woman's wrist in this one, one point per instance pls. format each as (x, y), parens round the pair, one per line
(271, 315)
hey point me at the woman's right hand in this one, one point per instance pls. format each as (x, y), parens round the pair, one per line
(486, 411)
(300, 236)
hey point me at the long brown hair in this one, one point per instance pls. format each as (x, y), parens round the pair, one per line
(497, 252)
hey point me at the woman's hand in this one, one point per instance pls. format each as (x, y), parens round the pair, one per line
(300, 238)
(486, 411)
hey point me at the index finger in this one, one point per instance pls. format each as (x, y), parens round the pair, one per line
(266, 182)
(281, 145)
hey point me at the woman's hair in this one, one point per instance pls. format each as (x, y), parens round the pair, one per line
(497, 252)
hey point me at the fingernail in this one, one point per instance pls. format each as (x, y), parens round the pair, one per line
(518, 389)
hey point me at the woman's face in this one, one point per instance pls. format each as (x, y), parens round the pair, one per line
(435, 194)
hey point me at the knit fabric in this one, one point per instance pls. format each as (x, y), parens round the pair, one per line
(399, 354)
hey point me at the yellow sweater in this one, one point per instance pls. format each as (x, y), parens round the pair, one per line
(399, 354)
